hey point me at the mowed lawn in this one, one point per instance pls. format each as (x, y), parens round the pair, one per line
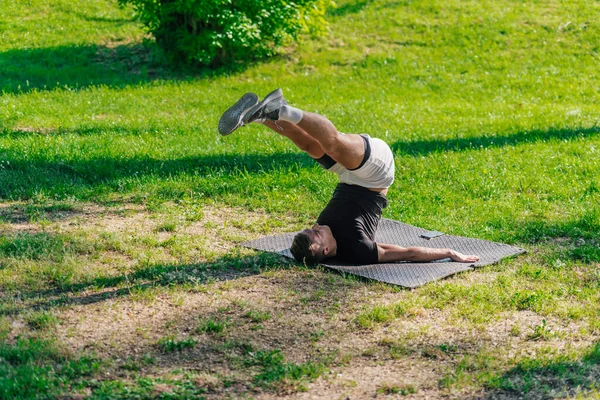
(121, 207)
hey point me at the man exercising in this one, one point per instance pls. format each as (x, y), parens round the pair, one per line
(346, 227)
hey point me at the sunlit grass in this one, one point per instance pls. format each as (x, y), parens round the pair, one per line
(491, 109)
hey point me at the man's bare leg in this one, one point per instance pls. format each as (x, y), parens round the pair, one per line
(348, 150)
(298, 136)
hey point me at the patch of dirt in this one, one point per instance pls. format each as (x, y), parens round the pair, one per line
(361, 379)
(32, 129)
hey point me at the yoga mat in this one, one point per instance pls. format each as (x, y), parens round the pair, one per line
(407, 274)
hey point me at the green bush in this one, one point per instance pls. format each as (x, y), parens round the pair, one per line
(215, 32)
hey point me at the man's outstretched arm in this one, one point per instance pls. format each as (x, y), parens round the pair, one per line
(391, 252)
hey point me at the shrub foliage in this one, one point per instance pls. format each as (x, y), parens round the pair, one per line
(214, 32)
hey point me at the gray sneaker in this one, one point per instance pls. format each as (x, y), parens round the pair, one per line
(268, 108)
(233, 117)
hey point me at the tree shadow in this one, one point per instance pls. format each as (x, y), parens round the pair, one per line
(425, 147)
(19, 213)
(533, 379)
(22, 176)
(94, 18)
(104, 288)
(394, 4)
(209, 350)
(77, 67)
(50, 246)
(539, 230)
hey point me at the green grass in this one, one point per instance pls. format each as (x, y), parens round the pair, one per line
(566, 373)
(41, 320)
(444, 115)
(170, 343)
(148, 388)
(258, 316)
(491, 111)
(404, 390)
(380, 314)
(213, 325)
(273, 369)
(33, 368)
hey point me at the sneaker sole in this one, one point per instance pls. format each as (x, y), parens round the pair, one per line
(275, 94)
(232, 118)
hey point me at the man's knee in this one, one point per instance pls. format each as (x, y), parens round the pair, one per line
(304, 146)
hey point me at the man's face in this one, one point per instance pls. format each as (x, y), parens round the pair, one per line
(321, 237)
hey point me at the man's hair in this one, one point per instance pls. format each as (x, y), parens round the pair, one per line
(302, 252)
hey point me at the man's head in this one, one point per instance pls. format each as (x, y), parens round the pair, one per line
(314, 245)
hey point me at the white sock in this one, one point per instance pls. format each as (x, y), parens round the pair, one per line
(290, 114)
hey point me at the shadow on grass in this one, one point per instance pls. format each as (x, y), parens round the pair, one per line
(50, 250)
(212, 340)
(77, 67)
(23, 177)
(64, 293)
(93, 18)
(539, 230)
(533, 379)
(23, 213)
(425, 147)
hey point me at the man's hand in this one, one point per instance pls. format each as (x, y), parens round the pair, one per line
(456, 256)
